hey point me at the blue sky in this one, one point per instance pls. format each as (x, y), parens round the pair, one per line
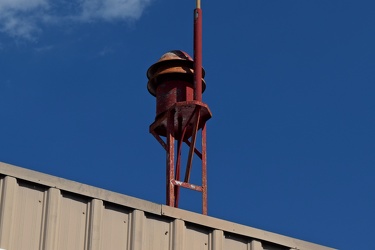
(291, 85)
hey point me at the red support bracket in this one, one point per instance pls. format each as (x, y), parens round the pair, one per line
(182, 123)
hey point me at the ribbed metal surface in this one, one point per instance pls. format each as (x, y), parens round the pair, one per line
(42, 212)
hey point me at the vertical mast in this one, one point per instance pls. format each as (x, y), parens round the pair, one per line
(198, 52)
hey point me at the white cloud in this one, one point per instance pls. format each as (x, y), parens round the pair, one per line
(105, 51)
(44, 48)
(18, 18)
(22, 5)
(26, 18)
(112, 9)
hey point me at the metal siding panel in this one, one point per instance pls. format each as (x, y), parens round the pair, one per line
(77, 219)
(157, 232)
(8, 201)
(178, 235)
(115, 228)
(52, 212)
(72, 223)
(137, 225)
(256, 245)
(79, 188)
(95, 229)
(218, 240)
(28, 219)
(197, 238)
(233, 242)
(239, 229)
(1, 190)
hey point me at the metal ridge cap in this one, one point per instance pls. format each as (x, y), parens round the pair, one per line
(239, 229)
(79, 188)
(154, 208)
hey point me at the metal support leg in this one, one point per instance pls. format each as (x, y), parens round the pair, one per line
(170, 160)
(178, 160)
(192, 146)
(178, 130)
(204, 171)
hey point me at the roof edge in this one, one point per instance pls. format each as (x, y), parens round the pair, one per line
(154, 208)
(79, 188)
(239, 229)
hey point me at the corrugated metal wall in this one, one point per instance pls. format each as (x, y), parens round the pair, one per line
(38, 211)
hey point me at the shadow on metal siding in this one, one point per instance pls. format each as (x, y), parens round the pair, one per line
(232, 241)
(28, 216)
(21, 218)
(156, 232)
(73, 222)
(115, 227)
(196, 237)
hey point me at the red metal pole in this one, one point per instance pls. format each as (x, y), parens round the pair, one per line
(204, 171)
(198, 52)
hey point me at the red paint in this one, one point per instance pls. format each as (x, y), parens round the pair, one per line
(198, 54)
(177, 83)
(170, 92)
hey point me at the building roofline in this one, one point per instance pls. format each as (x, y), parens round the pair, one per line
(154, 208)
